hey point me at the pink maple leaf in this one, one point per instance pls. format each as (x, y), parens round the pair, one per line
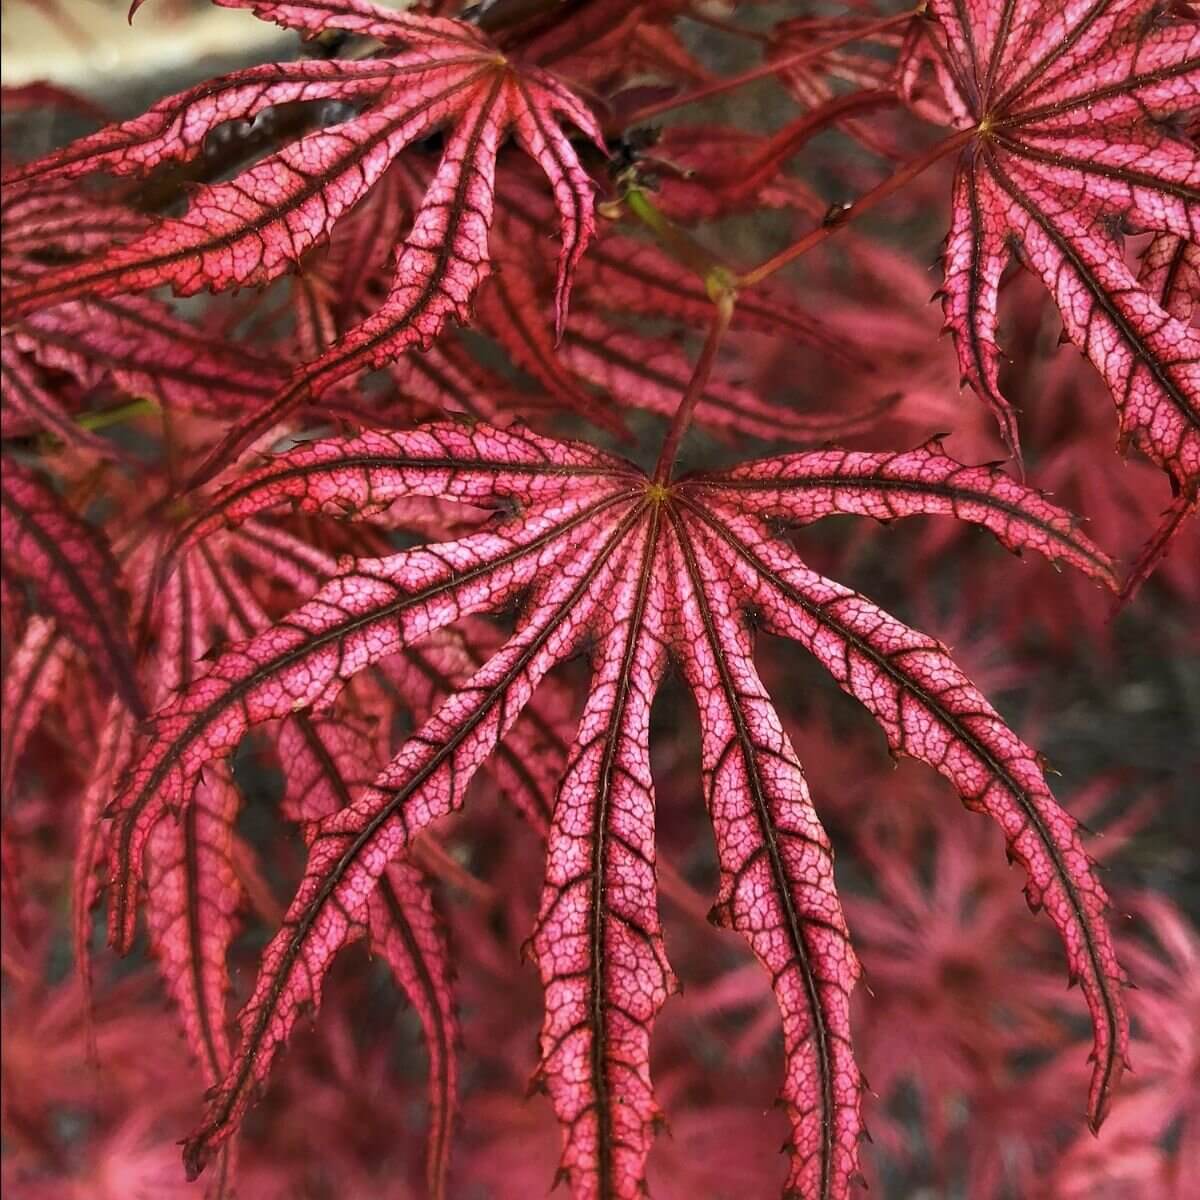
(1073, 142)
(251, 229)
(640, 567)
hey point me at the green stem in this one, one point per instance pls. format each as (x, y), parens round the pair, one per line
(114, 416)
(680, 244)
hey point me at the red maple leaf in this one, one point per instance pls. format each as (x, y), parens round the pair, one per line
(260, 223)
(426, 639)
(1072, 140)
(640, 566)
(194, 891)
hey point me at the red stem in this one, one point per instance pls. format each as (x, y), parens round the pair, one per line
(865, 203)
(695, 388)
(1156, 549)
(763, 166)
(729, 27)
(764, 70)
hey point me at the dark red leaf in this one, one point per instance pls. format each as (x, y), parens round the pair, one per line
(73, 572)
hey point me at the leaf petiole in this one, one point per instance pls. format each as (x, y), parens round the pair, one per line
(764, 70)
(680, 244)
(724, 299)
(843, 216)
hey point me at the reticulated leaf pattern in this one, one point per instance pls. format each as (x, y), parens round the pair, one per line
(418, 591)
(636, 566)
(1074, 115)
(249, 230)
(74, 573)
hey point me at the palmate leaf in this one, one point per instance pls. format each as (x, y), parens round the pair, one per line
(605, 557)
(776, 876)
(251, 229)
(192, 892)
(1078, 115)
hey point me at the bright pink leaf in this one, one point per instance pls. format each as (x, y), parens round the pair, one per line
(251, 229)
(406, 931)
(328, 762)
(427, 780)
(931, 711)
(636, 567)
(799, 488)
(361, 618)
(1074, 115)
(597, 942)
(191, 907)
(776, 873)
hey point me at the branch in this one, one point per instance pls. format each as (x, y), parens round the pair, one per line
(767, 69)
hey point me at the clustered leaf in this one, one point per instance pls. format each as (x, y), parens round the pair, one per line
(249, 230)
(71, 566)
(436, 568)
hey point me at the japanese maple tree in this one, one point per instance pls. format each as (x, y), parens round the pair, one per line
(515, 406)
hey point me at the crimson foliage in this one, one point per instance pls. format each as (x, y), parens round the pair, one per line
(442, 562)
